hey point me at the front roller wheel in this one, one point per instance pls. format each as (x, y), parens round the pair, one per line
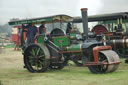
(109, 57)
(36, 58)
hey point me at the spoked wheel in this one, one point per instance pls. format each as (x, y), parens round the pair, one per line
(36, 58)
(108, 56)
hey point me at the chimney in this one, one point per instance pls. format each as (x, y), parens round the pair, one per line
(85, 21)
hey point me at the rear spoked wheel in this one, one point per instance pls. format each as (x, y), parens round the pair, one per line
(36, 58)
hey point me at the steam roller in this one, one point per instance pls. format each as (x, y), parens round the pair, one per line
(55, 49)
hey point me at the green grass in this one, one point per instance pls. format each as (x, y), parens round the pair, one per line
(10, 46)
(13, 73)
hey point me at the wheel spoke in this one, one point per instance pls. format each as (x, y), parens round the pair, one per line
(32, 63)
(100, 68)
(32, 52)
(30, 56)
(37, 66)
(104, 67)
(41, 63)
(104, 60)
(30, 59)
(42, 59)
(42, 54)
(38, 50)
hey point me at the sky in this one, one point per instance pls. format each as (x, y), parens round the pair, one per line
(38, 8)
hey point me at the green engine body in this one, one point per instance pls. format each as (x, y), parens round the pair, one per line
(68, 42)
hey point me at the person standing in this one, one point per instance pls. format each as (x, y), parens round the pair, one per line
(42, 29)
(69, 28)
(31, 33)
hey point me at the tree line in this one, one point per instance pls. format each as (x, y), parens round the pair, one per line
(6, 29)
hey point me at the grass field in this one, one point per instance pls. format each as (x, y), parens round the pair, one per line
(13, 73)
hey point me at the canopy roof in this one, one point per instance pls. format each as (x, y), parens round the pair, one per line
(49, 19)
(103, 17)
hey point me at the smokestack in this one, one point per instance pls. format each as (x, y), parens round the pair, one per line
(85, 21)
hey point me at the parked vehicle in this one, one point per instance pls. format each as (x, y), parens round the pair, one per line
(114, 26)
(53, 49)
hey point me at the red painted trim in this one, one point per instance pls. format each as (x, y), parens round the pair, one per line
(109, 34)
(18, 27)
(35, 40)
(67, 51)
(24, 34)
(97, 49)
(100, 63)
(25, 29)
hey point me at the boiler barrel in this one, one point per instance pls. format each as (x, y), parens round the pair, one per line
(119, 43)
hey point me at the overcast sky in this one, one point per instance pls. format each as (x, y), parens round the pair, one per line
(38, 8)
